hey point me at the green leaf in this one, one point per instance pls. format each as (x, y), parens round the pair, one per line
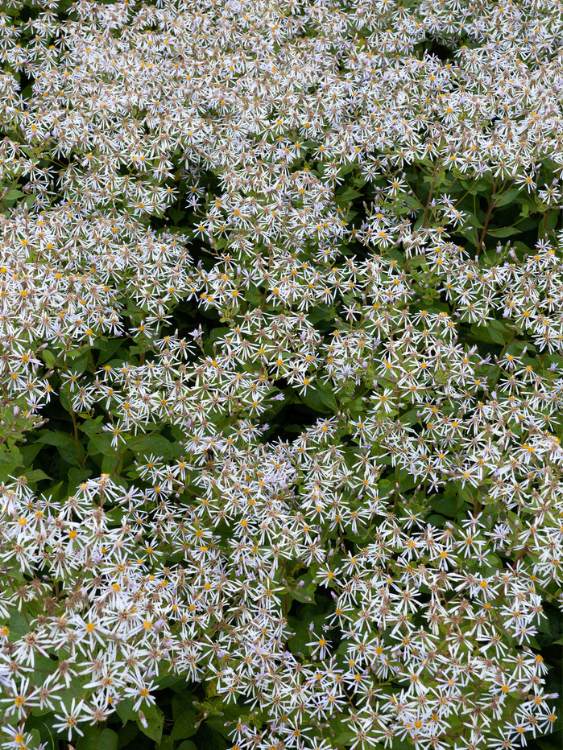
(172, 681)
(18, 625)
(80, 358)
(409, 417)
(213, 335)
(149, 719)
(29, 452)
(551, 221)
(10, 460)
(49, 358)
(110, 463)
(253, 296)
(69, 449)
(185, 716)
(495, 332)
(128, 733)
(344, 735)
(303, 590)
(98, 739)
(474, 187)
(321, 312)
(35, 739)
(107, 348)
(145, 445)
(504, 199)
(300, 626)
(470, 233)
(92, 426)
(320, 399)
(13, 194)
(125, 710)
(36, 475)
(101, 443)
(346, 195)
(504, 231)
(76, 477)
(450, 503)
(436, 519)
(153, 722)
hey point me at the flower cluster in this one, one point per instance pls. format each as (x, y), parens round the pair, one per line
(221, 219)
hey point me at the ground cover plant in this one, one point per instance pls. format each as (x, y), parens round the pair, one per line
(280, 374)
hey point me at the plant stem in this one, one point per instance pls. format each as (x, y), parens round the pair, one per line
(488, 215)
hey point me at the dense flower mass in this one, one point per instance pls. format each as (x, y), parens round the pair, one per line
(281, 323)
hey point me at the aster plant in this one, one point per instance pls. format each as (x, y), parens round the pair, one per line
(281, 323)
